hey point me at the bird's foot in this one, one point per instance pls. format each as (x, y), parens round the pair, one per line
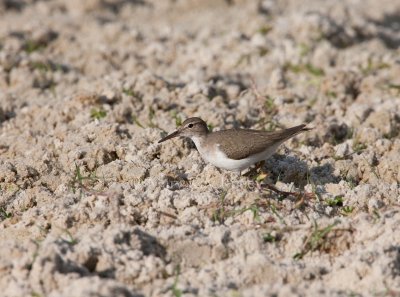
(253, 171)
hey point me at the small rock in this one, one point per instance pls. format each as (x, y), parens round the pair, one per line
(375, 203)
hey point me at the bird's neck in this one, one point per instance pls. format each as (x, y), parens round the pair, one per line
(199, 140)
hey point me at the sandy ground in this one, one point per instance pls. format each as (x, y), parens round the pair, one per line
(92, 205)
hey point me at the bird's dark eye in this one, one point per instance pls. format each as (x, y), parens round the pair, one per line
(190, 125)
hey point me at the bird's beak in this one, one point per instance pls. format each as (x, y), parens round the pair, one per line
(172, 135)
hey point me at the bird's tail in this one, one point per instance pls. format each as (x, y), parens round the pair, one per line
(290, 132)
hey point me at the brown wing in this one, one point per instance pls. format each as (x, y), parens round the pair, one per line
(239, 143)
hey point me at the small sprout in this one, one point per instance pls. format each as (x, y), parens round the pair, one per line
(331, 94)
(244, 58)
(351, 182)
(264, 30)
(316, 240)
(270, 238)
(269, 103)
(254, 209)
(33, 46)
(151, 115)
(98, 113)
(314, 70)
(392, 134)
(263, 51)
(271, 126)
(305, 67)
(376, 214)
(70, 239)
(337, 201)
(210, 127)
(304, 49)
(4, 213)
(313, 187)
(395, 87)
(41, 66)
(372, 67)
(132, 93)
(11, 188)
(175, 290)
(220, 213)
(177, 118)
(312, 101)
(78, 181)
(128, 92)
(358, 146)
(293, 68)
(136, 121)
(275, 212)
(348, 209)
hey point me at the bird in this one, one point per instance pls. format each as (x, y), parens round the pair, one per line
(233, 149)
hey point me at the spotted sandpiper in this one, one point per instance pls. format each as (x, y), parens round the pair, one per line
(233, 149)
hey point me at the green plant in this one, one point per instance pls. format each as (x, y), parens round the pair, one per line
(372, 67)
(11, 188)
(79, 180)
(276, 213)
(128, 92)
(175, 290)
(269, 103)
(347, 209)
(33, 46)
(336, 201)
(373, 168)
(98, 113)
(315, 240)
(177, 118)
(313, 186)
(377, 216)
(304, 49)
(4, 214)
(264, 30)
(351, 182)
(41, 66)
(70, 239)
(331, 94)
(268, 237)
(358, 146)
(253, 208)
(262, 51)
(316, 71)
(219, 214)
(136, 121)
(395, 87)
(151, 115)
(244, 58)
(313, 70)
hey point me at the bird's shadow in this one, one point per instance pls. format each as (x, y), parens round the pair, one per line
(291, 169)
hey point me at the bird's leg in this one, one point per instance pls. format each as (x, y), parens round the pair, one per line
(254, 170)
(285, 193)
(260, 186)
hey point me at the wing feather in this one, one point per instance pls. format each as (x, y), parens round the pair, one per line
(238, 144)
